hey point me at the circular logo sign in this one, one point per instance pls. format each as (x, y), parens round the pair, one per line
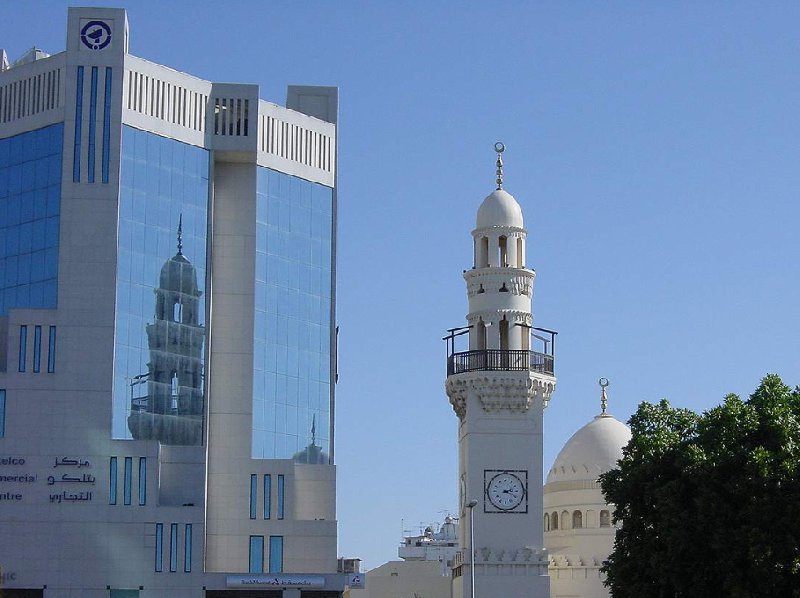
(96, 35)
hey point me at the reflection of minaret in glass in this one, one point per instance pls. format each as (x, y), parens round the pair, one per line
(172, 410)
(312, 454)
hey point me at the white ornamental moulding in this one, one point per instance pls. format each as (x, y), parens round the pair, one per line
(498, 393)
(508, 231)
(505, 394)
(457, 393)
(493, 315)
(518, 283)
(528, 556)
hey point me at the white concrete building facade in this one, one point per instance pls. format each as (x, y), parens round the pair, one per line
(167, 345)
(499, 388)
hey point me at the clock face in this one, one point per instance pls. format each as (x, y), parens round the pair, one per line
(506, 490)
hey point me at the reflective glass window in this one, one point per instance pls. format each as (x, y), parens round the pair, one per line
(292, 330)
(2, 413)
(112, 481)
(92, 124)
(106, 126)
(256, 554)
(30, 195)
(37, 348)
(51, 350)
(281, 490)
(23, 348)
(159, 547)
(173, 547)
(253, 495)
(127, 482)
(276, 554)
(187, 549)
(142, 480)
(267, 495)
(161, 264)
(76, 150)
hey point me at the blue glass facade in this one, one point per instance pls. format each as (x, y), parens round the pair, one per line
(30, 201)
(161, 281)
(292, 360)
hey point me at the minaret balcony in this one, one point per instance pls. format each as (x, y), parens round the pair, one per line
(500, 360)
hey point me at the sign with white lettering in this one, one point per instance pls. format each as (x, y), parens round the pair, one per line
(276, 581)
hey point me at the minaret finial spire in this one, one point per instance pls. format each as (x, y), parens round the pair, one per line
(603, 382)
(314, 429)
(180, 235)
(499, 147)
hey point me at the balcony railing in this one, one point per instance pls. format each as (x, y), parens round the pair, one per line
(499, 360)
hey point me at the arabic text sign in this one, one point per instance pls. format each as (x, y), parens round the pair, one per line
(275, 581)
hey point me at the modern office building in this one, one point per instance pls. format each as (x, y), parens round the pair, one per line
(167, 344)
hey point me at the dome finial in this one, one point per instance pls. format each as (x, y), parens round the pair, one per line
(499, 147)
(180, 234)
(603, 382)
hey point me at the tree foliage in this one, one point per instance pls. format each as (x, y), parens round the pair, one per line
(709, 504)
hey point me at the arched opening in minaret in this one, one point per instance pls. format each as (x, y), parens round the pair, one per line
(483, 253)
(502, 247)
(520, 253)
(504, 334)
(480, 333)
(525, 338)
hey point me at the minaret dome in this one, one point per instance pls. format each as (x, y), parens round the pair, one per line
(499, 209)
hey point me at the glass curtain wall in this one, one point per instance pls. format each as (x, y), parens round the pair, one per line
(292, 360)
(161, 281)
(30, 203)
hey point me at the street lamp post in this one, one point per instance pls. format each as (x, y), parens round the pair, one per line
(471, 505)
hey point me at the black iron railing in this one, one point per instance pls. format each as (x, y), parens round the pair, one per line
(499, 360)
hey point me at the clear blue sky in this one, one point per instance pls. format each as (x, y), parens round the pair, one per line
(654, 148)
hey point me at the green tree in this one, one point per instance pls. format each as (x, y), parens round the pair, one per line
(709, 504)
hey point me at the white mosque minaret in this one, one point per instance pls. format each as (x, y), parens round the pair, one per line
(498, 389)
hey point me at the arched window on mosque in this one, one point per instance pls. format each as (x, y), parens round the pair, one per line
(554, 520)
(546, 522)
(605, 519)
(577, 520)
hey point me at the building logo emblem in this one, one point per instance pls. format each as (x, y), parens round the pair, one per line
(96, 35)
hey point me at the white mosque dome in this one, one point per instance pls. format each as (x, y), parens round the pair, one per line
(592, 450)
(499, 209)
